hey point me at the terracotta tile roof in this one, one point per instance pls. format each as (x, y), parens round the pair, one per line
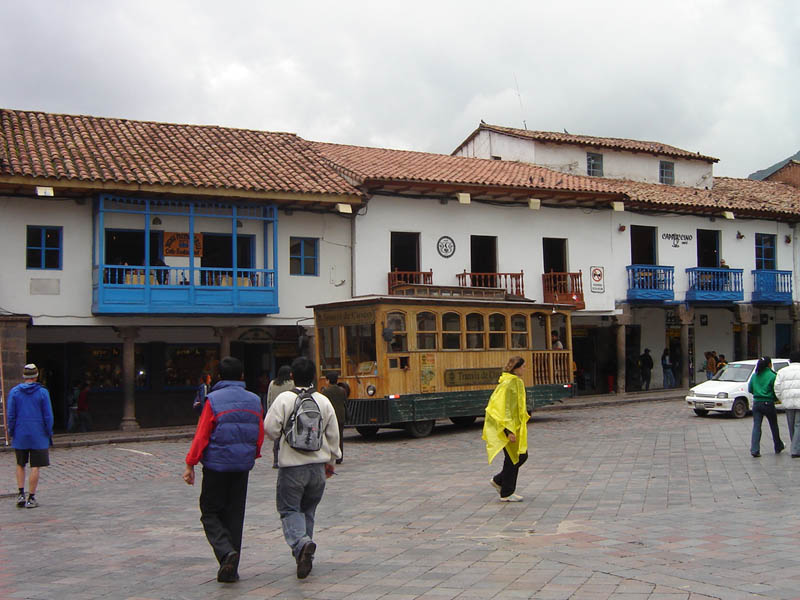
(742, 196)
(597, 142)
(383, 165)
(95, 149)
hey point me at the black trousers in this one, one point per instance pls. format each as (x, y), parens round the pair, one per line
(222, 502)
(507, 478)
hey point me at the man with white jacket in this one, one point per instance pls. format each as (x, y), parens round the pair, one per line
(787, 389)
(302, 474)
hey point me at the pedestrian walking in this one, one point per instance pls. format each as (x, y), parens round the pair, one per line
(762, 386)
(787, 389)
(505, 428)
(203, 388)
(666, 369)
(711, 364)
(227, 441)
(646, 362)
(282, 383)
(302, 474)
(338, 396)
(84, 416)
(30, 425)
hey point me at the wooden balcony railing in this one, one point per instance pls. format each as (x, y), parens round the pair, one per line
(563, 288)
(552, 366)
(512, 283)
(403, 277)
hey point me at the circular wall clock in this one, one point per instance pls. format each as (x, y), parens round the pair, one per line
(446, 246)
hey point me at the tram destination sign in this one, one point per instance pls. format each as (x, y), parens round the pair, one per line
(345, 316)
(459, 377)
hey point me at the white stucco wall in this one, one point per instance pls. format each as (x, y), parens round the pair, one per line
(571, 158)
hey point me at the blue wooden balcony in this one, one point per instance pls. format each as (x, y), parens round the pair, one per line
(714, 285)
(123, 289)
(651, 282)
(772, 287)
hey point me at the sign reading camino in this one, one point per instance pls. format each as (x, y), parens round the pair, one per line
(459, 377)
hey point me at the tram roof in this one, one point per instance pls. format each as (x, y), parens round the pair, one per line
(509, 302)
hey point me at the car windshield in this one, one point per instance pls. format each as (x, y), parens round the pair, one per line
(734, 372)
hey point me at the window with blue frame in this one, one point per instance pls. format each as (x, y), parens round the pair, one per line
(43, 247)
(594, 164)
(303, 256)
(765, 251)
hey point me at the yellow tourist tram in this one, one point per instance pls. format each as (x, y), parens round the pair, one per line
(429, 352)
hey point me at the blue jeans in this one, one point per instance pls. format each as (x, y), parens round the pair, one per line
(669, 377)
(793, 421)
(299, 491)
(761, 410)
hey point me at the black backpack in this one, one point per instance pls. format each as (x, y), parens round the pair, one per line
(303, 428)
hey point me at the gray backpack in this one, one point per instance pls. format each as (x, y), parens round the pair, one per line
(303, 428)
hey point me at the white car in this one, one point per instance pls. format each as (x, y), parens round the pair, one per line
(727, 390)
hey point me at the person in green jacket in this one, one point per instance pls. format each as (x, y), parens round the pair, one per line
(762, 385)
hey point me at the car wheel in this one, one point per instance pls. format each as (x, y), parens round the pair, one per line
(463, 421)
(367, 431)
(700, 412)
(420, 429)
(739, 408)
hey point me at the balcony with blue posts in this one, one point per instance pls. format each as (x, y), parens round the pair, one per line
(715, 285)
(772, 287)
(653, 283)
(211, 247)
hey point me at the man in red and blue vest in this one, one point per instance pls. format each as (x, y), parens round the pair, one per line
(227, 441)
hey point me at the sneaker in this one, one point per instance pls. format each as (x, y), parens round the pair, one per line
(31, 502)
(755, 454)
(781, 449)
(512, 498)
(305, 560)
(495, 485)
(227, 568)
(20, 500)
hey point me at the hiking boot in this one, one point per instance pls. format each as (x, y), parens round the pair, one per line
(512, 498)
(20, 500)
(31, 502)
(305, 560)
(227, 568)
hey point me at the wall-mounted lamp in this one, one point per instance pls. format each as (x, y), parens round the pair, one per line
(238, 224)
(42, 190)
(621, 227)
(534, 203)
(728, 215)
(463, 198)
(787, 239)
(156, 221)
(739, 235)
(288, 211)
(344, 208)
(618, 206)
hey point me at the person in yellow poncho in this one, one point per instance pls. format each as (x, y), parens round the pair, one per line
(506, 428)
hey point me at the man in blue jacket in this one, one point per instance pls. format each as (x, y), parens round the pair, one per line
(30, 425)
(227, 441)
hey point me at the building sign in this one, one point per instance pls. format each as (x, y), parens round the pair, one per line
(598, 285)
(177, 244)
(459, 377)
(427, 373)
(677, 239)
(345, 316)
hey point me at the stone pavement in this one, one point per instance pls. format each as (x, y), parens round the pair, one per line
(630, 501)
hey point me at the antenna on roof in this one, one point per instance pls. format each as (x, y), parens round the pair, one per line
(521, 109)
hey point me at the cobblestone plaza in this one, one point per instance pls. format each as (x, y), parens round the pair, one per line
(634, 501)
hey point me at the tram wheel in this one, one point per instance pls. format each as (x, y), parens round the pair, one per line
(420, 429)
(463, 421)
(368, 432)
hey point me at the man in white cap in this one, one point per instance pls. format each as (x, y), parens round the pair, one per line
(30, 425)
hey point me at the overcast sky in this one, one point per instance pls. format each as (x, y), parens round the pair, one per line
(721, 77)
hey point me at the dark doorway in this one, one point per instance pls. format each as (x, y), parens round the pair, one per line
(633, 373)
(643, 245)
(404, 251)
(708, 248)
(483, 254)
(218, 251)
(783, 339)
(554, 251)
(126, 247)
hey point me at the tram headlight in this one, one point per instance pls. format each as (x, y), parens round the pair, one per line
(371, 390)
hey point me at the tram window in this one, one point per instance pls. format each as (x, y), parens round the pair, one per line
(475, 331)
(396, 321)
(497, 331)
(329, 349)
(401, 362)
(451, 331)
(360, 344)
(426, 331)
(519, 331)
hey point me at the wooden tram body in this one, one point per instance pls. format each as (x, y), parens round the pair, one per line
(412, 359)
